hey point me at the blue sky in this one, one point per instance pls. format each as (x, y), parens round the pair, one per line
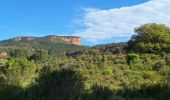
(69, 17)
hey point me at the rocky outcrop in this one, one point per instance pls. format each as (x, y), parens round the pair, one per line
(3, 54)
(71, 39)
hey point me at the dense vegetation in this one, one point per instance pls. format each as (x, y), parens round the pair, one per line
(54, 47)
(118, 71)
(151, 38)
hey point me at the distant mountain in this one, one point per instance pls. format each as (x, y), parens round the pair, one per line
(55, 45)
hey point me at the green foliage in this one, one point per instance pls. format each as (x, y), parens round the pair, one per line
(55, 47)
(150, 38)
(3, 62)
(116, 48)
(17, 72)
(76, 78)
(20, 52)
(101, 93)
(107, 71)
(159, 65)
(167, 58)
(61, 85)
(132, 58)
(40, 56)
(12, 92)
(103, 72)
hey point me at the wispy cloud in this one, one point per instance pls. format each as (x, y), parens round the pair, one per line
(99, 25)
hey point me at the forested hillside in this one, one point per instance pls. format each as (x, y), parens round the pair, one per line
(54, 46)
(136, 70)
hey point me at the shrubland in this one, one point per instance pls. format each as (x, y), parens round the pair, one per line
(136, 70)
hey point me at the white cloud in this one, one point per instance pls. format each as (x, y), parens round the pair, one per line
(120, 22)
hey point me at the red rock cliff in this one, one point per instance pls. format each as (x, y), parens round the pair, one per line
(71, 39)
(3, 54)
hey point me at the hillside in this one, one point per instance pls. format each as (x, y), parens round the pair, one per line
(116, 71)
(55, 45)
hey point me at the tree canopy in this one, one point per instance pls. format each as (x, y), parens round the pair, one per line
(150, 38)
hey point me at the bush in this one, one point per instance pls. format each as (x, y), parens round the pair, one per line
(99, 92)
(65, 84)
(18, 72)
(132, 58)
(107, 71)
(159, 65)
(40, 56)
(150, 38)
(168, 59)
(20, 52)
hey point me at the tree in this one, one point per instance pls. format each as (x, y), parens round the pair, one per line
(17, 72)
(159, 65)
(150, 38)
(132, 58)
(40, 56)
(20, 52)
(64, 84)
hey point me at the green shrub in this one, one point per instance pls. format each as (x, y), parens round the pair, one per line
(159, 65)
(40, 56)
(63, 84)
(155, 56)
(3, 61)
(122, 66)
(168, 59)
(107, 71)
(20, 52)
(18, 72)
(132, 58)
(162, 54)
(137, 67)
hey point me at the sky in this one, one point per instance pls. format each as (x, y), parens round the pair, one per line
(95, 21)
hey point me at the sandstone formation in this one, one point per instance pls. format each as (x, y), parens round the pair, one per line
(71, 39)
(3, 54)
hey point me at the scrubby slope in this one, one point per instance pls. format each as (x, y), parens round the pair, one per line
(54, 47)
